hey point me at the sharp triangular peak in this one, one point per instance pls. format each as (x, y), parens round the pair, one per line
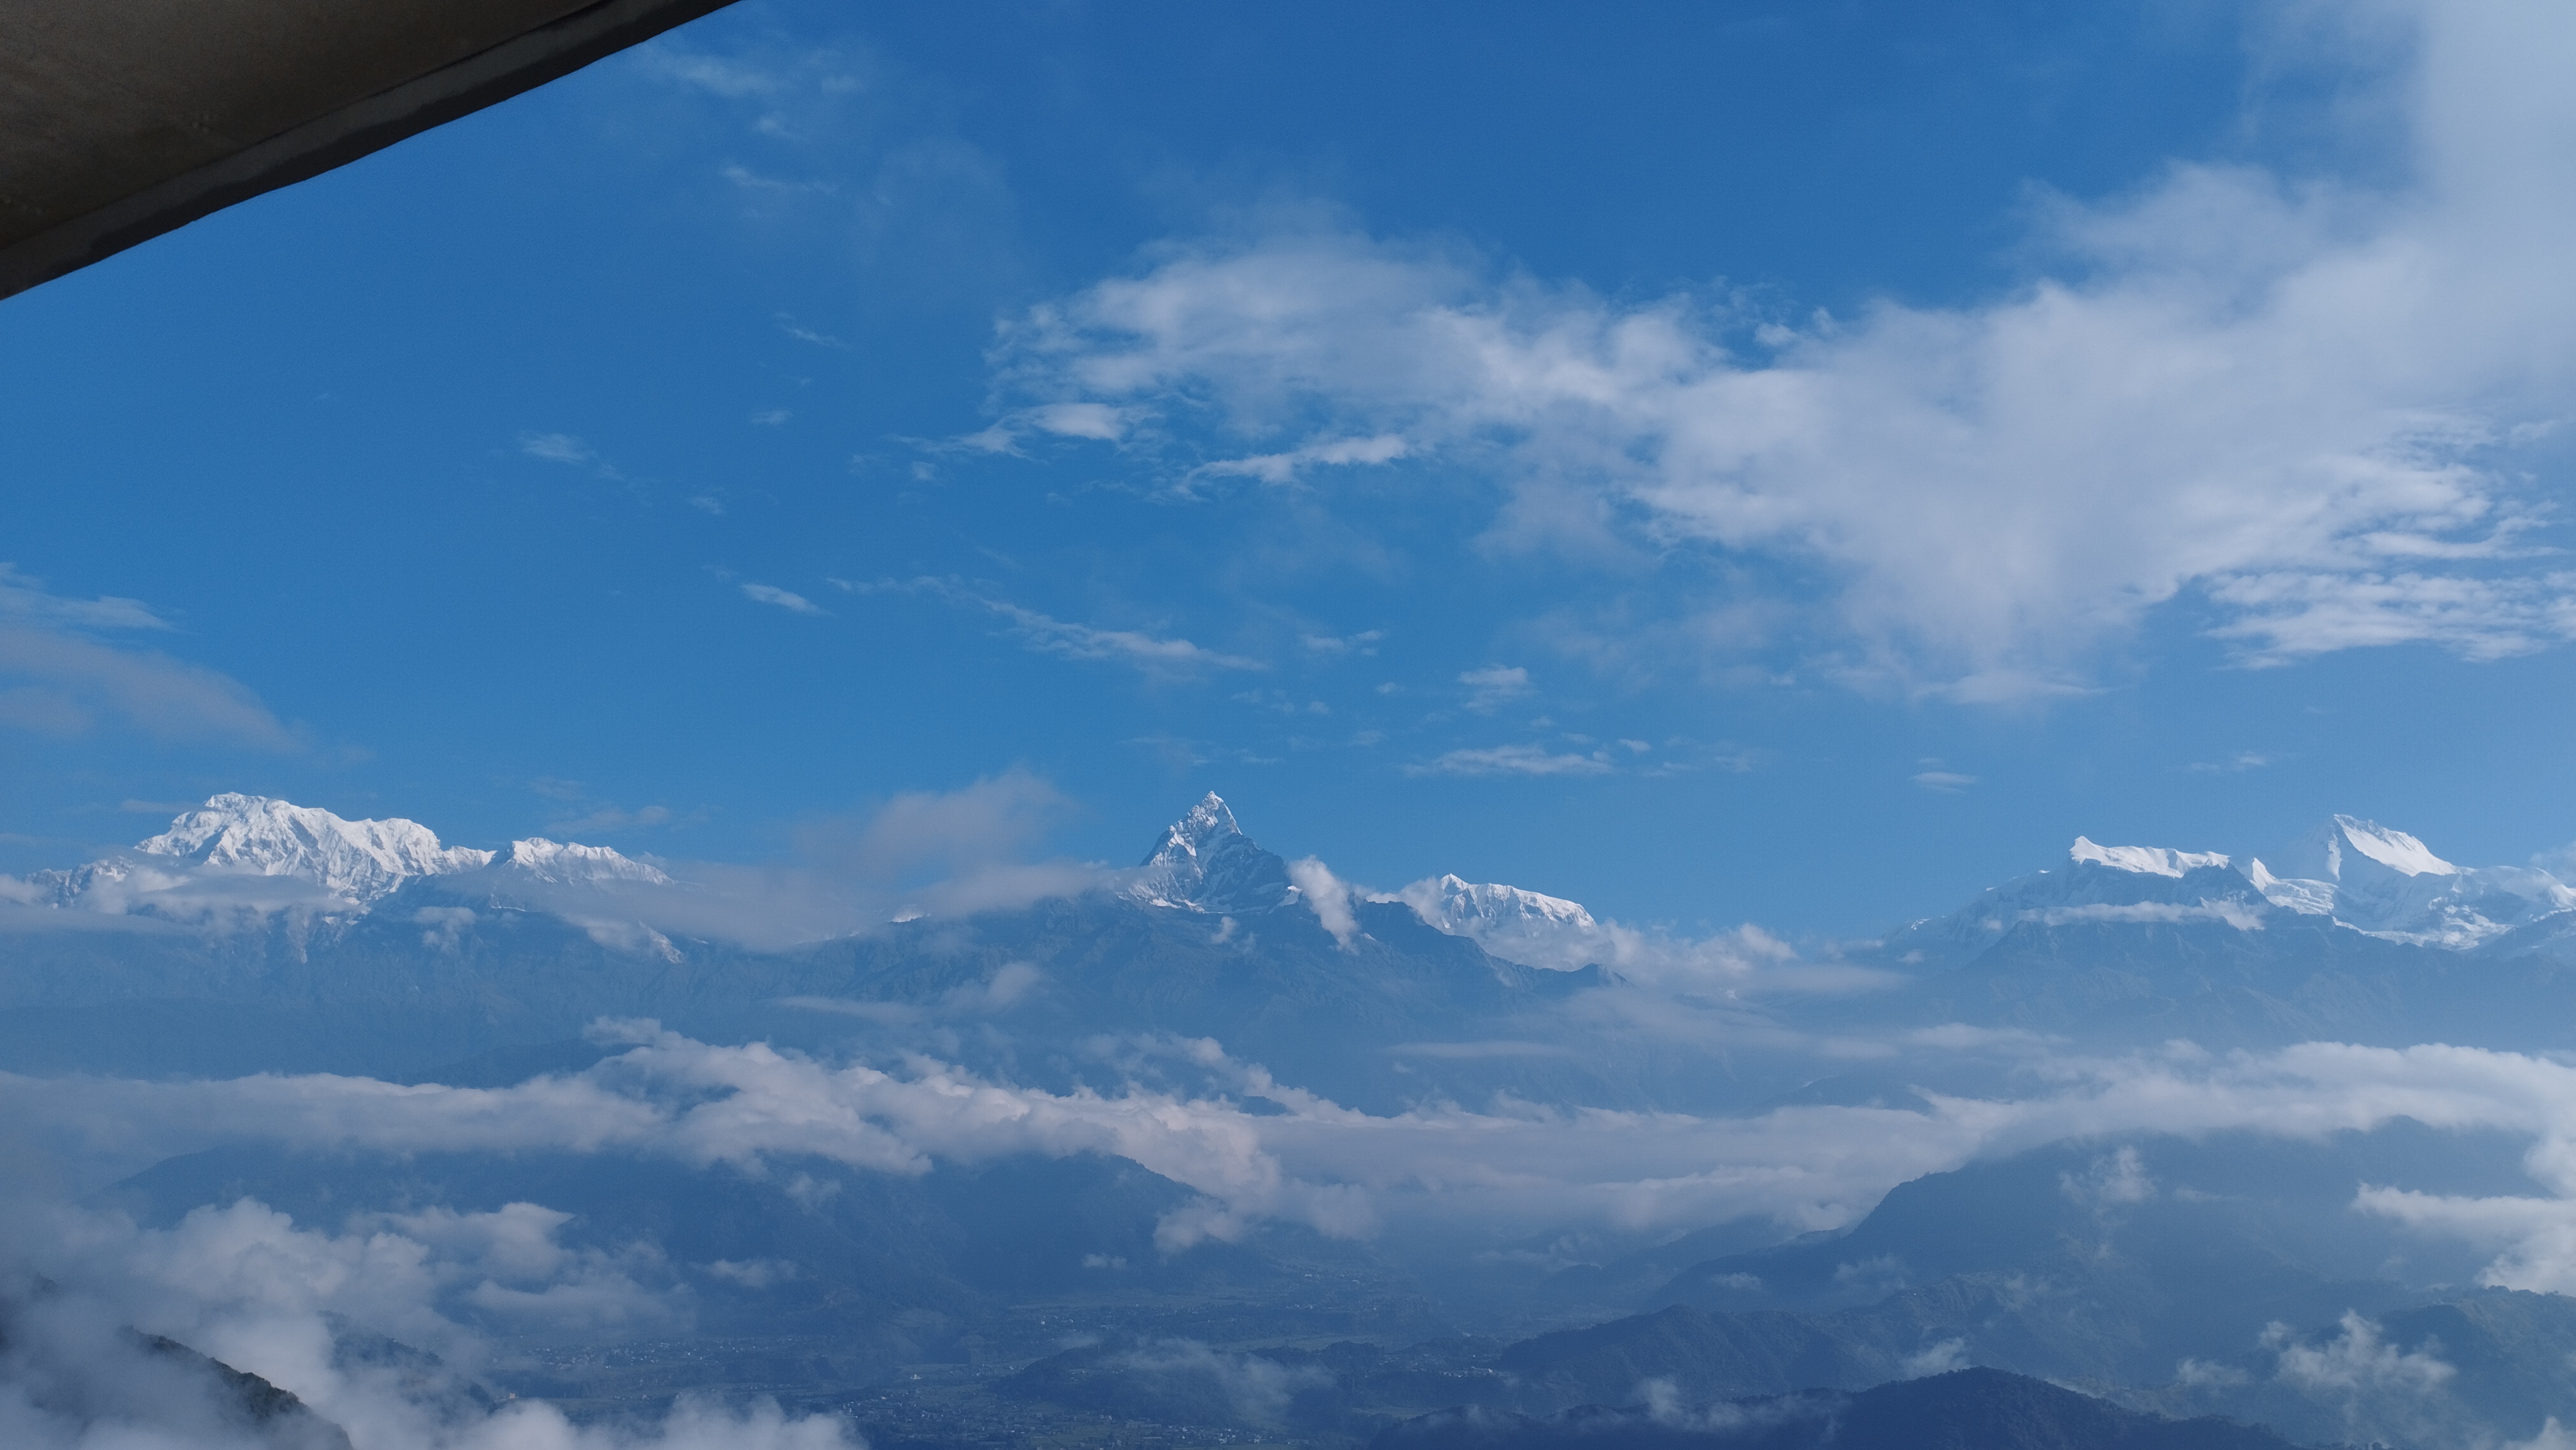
(2344, 844)
(1189, 837)
(1205, 862)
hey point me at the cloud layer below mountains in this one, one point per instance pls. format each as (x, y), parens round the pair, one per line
(1507, 1167)
(250, 1286)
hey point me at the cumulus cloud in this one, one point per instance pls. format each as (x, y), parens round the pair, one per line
(57, 677)
(2357, 1358)
(1328, 896)
(2294, 408)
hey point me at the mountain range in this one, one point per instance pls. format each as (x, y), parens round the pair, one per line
(2225, 1274)
(300, 928)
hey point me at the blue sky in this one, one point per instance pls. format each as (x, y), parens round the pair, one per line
(1796, 464)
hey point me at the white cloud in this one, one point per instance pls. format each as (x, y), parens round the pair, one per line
(1513, 760)
(24, 597)
(730, 77)
(791, 602)
(2294, 406)
(2232, 913)
(248, 1286)
(1515, 1166)
(1946, 782)
(1333, 646)
(57, 678)
(2356, 1359)
(1284, 467)
(1492, 686)
(799, 331)
(556, 448)
(1328, 896)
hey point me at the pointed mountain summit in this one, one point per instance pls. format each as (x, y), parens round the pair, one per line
(2345, 850)
(259, 835)
(2386, 882)
(1205, 862)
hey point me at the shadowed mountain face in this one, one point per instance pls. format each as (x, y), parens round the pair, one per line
(74, 1377)
(1971, 1409)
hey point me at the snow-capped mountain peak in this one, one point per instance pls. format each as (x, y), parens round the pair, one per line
(2145, 860)
(1518, 925)
(2344, 846)
(259, 835)
(564, 863)
(1205, 862)
(1463, 908)
(2389, 884)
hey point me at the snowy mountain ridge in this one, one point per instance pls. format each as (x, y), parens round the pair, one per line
(2357, 873)
(361, 860)
(255, 854)
(239, 855)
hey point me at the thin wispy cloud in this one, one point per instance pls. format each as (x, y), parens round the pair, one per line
(802, 333)
(1363, 644)
(730, 77)
(1514, 760)
(59, 678)
(1071, 640)
(25, 599)
(1493, 686)
(1096, 422)
(788, 600)
(556, 448)
(1943, 782)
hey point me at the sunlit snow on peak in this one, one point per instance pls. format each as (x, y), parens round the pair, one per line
(565, 863)
(2149, 860)
(1204, 862)
(2345, 845)
(361, 860)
